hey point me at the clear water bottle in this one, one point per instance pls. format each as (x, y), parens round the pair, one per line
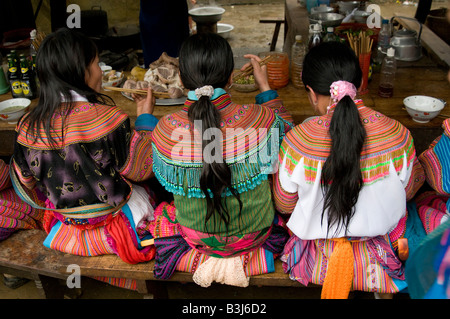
(330, 35)
(387, 74)
(316, 35)
(298, 52)
(384, 36)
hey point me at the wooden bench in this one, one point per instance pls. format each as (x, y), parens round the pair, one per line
(24, 255)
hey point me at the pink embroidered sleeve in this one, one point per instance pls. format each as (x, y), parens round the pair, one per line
(285, 201)
(139, 165)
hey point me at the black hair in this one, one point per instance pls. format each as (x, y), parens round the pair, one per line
(207, 59)
(341, 179)
(61, 63)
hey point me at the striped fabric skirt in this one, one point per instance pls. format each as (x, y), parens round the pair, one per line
(376, 264)
(432, 209)
(173, 252)
(121, 235)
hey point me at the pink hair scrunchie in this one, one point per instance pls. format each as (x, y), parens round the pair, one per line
(339, 89)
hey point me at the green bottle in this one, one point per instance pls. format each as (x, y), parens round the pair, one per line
(28, 80)
(14, 79)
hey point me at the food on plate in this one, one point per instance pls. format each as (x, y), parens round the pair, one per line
(138, 73)
(110, 76)
(162, 75)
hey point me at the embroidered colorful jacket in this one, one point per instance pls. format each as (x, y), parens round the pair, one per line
(251, 137)
(390, 169)
(91, 163)
(14, 213)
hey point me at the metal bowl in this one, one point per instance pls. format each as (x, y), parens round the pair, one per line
(224, 30)
(206, 14)
(361, 16)
(321, 8)
(327, 19)
(346, 7)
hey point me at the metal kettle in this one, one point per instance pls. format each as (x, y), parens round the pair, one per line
(406, 42)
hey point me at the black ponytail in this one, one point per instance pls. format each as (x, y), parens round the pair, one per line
(341, 178)
(207, 59)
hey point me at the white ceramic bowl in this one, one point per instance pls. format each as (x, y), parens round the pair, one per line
(423, 108)
(114, 83)
(224, 30)
(11, 110)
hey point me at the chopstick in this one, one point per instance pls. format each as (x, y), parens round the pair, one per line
(361, 44)
(249, 70)
(158, 95)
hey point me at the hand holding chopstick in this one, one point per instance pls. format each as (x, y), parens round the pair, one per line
(249, 69)
(255, 66)
(144, 104)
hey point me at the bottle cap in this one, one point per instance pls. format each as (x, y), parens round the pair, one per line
(330, 29)
(385, 21)
(390, 52)
(317, 27)
(298, 37)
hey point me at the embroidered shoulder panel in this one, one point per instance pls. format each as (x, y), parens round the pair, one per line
(251, 135)
(87, 122)
(387, 140)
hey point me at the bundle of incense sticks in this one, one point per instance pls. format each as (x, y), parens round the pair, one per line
(249, 70)
(361, 44)
(158, 95)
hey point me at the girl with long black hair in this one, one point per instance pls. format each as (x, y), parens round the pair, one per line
(345, 177)
(215, 156)
(79, 150)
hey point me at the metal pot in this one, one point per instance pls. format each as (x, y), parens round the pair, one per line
(407, 43)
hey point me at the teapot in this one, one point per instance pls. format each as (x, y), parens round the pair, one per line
(406, 42)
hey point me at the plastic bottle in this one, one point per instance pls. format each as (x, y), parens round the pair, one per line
(330, 35)
(384, 38)
(316, 36)
(387, 74)
(298, 52)
(32, 38)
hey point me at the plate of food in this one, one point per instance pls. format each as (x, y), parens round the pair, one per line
(164, 79)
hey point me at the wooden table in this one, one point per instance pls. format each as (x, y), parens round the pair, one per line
(423, 77)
